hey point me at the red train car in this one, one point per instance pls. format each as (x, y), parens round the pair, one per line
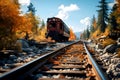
(57, 30)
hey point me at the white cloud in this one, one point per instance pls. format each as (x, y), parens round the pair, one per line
(64, 10)
(111, 4)
(24, 2)
(86, 21)
(75, 28)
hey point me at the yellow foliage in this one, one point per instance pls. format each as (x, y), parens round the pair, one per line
(72, 35)
(108, 42)
(9, 21)
(118, 20)
(107, 31)
(96, 34)
(41, 37)
(118, 52)
(95, 24)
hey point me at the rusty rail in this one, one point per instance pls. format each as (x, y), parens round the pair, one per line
(98, 70)
(20, 73)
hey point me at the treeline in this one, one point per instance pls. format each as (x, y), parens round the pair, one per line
(106, 24)
(15, 25)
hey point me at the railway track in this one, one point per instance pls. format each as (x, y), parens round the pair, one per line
(70, 62)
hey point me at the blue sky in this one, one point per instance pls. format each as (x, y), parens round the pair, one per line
(75, 13)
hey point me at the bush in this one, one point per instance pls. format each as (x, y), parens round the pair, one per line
(9, 43)
(118, 52)
(108, 42)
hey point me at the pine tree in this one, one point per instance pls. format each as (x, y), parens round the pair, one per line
(112, 19)
(87, 33)
(102, 15)
(115, 16)
(34, 19)
(93, 25)
(31, 8)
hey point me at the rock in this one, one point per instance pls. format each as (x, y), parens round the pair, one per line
(118, 65)
(5, 67)
(115, 60)
(24, 43)
(39, 51)
(117, 69)
(11, 66)
(105, 56)
(56, 76)
(39, 75)
(12, 57)
(19, 59)
(118, 41)
(2, 63)
(117, 74)
(10, 62)
(27, 50)
(110, 48)
(99, 46)
(32, 55)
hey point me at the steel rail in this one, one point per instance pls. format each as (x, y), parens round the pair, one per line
(99, 71)
(19, 73)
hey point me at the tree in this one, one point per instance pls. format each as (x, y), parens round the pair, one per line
(118, 13)
(33, 18)
(72, 35)
(31, 8)
(113, 18)
(102, 15)
(93, 25)
(42, 24)
(84, 34)
(87, 33)
(9, 21)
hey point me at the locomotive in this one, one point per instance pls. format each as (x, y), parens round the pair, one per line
(57, 29)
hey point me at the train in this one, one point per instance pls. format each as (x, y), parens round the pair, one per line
(57, 30)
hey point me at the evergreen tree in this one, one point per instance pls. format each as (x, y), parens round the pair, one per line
(34, 19)
(84, 34)
(115, 16)
(87, 33)
(112, 19)
(102, 15)
(42, 24)
(31, 8)
(93, 25)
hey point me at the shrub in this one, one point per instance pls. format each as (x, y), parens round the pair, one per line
(9, 43)
(108, 42)
(118, 52)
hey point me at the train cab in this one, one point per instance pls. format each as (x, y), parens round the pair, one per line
(56, 29)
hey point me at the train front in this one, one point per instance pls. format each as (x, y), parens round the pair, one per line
(52, 29)
(57, 30)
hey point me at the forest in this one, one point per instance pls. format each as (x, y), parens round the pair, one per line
(15, 25)
(106, 25)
